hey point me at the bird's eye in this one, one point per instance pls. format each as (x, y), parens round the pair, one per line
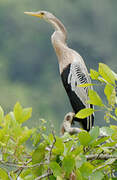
(42, 13)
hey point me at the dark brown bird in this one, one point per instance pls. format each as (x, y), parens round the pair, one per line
(72, 68)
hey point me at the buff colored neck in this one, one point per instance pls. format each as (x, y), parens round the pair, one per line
(58, 38)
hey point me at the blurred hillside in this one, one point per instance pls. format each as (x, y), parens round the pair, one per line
(28, 65)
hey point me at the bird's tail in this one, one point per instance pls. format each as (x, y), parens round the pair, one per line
(86, 123)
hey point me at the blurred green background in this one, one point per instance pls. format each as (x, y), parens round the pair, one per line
(28, 65)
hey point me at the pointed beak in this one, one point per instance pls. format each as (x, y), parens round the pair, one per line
(37, 14)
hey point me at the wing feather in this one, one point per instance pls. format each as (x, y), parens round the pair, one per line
(78, 76)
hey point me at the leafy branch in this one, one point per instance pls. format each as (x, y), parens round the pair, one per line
(76, 154)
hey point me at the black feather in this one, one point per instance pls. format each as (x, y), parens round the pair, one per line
(75, 101)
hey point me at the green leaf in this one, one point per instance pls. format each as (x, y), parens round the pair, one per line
(102, 80)
(110, 161)
(94, 98)
(108, 90)
(21, 114)
(36, 137)
(106, 73)
(52, 177)
(68, 164)
(27, 175)
(18, 111)
(94, 133)
(116, 111)
(110, 144)
(27, 113)
(56, 169)
(78, 150)
(39, 154)
(114, 135)
(113, 117)
(86, 169)
(1, 115)
(106, 131)
(114, 128)
(80, 159)
(84, 138)
(98, 175)
(100, 141)
(38, 171)
(83, 113)
(59, 178)
(25, 136)
(59, 146)
(38, 157)
(78, 175)
(86, 85)
(3, 174)
(94, 74)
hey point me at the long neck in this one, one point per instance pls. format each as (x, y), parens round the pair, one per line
(59, 27)
(58, 38)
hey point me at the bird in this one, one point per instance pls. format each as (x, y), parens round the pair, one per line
(72, 68)
(66, 125)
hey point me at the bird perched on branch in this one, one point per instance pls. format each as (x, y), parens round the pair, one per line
(67, 123)
(72, 68)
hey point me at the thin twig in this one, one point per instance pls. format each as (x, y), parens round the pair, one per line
(70, 139)
(51, 148)
(9, 164)
(19, 170)
(100, 167)
(49, 172)
(100, 157)
(44, 175)
(9, 176)
(20, 166)
(89, 157)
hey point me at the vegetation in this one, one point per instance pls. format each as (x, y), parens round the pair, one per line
(87, 155)
(28, 65)
(28, 74)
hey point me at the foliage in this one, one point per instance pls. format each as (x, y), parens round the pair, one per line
(28, 64)
(87, 155)
(107, 79)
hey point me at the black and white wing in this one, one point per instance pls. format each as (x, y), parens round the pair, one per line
(78, 75)
(78, 96)
(73, 75)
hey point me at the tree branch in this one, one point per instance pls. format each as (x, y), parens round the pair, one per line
(51, 148)
(19, 165)
(100, 157)
(49, 172)
(44, 175)
(104, 165)
(9, 176)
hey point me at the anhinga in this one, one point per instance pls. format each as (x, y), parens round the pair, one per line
(66, 125)
(72, 68)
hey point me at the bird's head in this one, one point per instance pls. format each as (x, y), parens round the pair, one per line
(41, 14)
(55, 22)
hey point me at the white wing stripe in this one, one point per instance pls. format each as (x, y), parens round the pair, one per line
(77, 77)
